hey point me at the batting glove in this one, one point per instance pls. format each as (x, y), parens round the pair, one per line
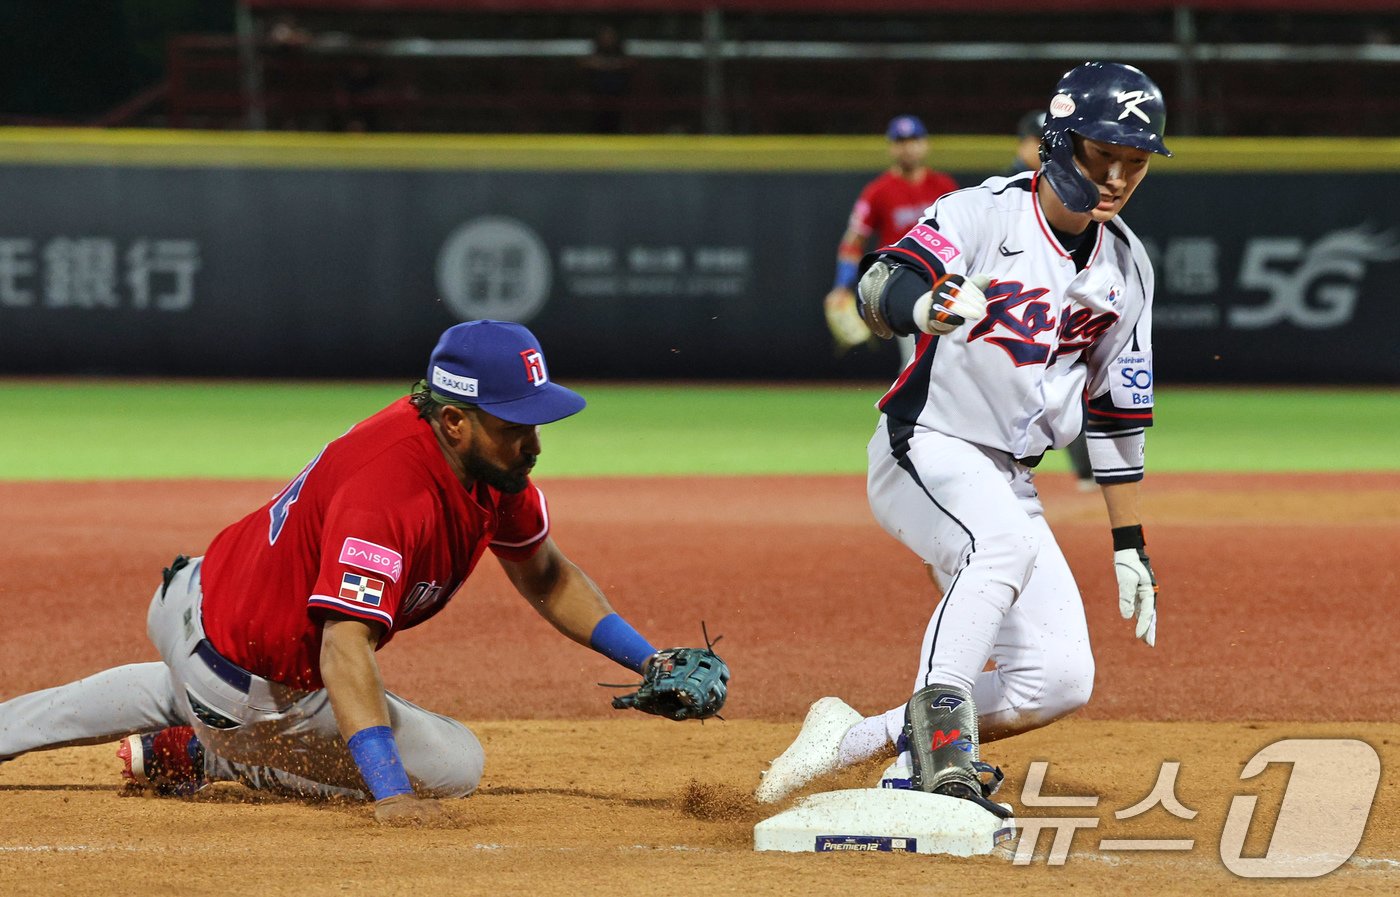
(1137, 591)
(953, 301)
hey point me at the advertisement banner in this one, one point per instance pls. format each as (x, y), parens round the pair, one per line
(626, 274)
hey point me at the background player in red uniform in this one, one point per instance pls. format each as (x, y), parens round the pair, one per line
(268, 673)
(886, 208)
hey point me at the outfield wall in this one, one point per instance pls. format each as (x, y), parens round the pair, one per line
(331, 255)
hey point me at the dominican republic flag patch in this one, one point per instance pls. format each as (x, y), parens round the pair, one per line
(362, 589)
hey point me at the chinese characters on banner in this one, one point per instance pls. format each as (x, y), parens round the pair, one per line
(98, 273)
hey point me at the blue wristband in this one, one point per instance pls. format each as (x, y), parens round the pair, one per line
(377, 755)
(846, 272)
(615, 639)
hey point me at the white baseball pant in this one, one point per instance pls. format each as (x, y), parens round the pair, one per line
(973, 515)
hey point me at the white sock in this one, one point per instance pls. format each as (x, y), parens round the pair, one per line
(864, 740)
(894, 723)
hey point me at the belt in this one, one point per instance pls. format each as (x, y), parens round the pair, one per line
(225, 669)
(1031, 460)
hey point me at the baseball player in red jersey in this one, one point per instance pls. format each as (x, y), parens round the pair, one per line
(887, 208)
(1031, 299)
(268, 641)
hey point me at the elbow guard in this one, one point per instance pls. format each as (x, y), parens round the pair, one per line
(887, 295)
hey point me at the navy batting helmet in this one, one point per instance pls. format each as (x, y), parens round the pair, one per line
(1104, 101)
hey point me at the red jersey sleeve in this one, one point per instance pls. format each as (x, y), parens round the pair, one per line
(522, 524)
(364, 543)
(943, 184)
(863, 214)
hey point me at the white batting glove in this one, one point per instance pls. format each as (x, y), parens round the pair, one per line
(953, 301)
(1137, 591)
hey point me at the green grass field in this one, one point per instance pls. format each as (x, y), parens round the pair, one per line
(77, 429)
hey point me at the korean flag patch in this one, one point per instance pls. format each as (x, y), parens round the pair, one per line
(362, 589)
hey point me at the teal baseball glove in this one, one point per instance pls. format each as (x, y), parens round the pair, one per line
(680, 684)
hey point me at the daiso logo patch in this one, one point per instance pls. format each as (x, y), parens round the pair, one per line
(935, 242)
(372, 557)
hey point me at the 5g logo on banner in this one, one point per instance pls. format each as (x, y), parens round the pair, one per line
(1311, 286)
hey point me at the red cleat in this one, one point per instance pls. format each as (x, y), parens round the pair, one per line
(170, 761)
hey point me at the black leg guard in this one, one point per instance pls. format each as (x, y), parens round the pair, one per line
(940, 723)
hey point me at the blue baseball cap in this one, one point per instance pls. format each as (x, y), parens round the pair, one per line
(498, 367)
(905, 127)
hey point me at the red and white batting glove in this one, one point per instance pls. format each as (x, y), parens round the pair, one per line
(953, 301)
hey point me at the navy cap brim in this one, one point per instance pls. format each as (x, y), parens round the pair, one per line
(1108, 132)
(546, 405)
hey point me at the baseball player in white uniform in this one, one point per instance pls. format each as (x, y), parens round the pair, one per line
(1027, 294)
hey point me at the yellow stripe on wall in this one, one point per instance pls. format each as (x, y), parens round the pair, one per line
(245, 149)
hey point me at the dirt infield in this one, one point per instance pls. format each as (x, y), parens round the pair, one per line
(1277, 623)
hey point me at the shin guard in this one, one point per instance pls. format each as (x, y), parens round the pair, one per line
(940, 723)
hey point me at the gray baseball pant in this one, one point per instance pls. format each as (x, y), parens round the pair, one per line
(265, 735)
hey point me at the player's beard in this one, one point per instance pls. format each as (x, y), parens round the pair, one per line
(510, 480)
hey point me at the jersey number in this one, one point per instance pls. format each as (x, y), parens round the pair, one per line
(283, 505)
